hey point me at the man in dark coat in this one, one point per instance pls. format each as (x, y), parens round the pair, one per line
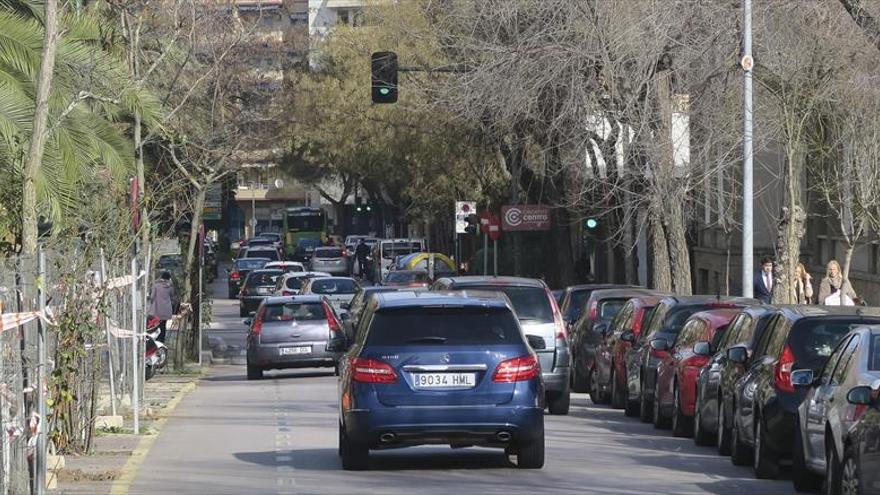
(764, 281)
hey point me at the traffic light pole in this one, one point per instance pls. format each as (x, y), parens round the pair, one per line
(485, 253)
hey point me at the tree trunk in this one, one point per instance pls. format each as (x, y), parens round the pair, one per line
(39, 132)
(789, 234)
(678, 247)
(187, 343)
(660, 254)
(847, 259)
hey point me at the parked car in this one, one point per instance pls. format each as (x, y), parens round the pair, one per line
(292, 332)
(440, 368)
(286, 266)
(828, 413)
(587, 335)
(666, 322)
(290, 284)
(538, 314)
(716, 380)
(766, 401)
(258, 285)
(574, 300)
(337, 290)
(269, 252)
(329, 259)
(240, 269)
(408, 278)
(675, 391)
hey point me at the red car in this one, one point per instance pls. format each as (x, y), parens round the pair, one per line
(676, 390)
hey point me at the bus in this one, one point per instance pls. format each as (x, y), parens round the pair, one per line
(304, 223)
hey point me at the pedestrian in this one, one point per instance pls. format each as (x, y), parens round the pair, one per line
(361, 252)
(161, 306)
(834, 289)
(803, 285)
(764, 281)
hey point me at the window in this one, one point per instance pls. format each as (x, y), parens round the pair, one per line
(692, 331)
(608, 308)
(763, 342)
(842, 366)
(718, 336)
(828, 369)
(444, 326)
(623, 321)
(333, 286)
(737, 327)
(328, 253)
(256, 279)
(575, 303)
(530, 303)
(294, 312)
(813, 339)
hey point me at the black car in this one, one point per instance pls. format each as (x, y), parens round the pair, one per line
(668, 318)
(589, 333)
(766, 404)
(240, 269)
(716, 380)
(258, 285)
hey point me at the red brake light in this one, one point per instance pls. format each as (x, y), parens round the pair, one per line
(517, 369)
(637, 322)
(257, 327)
(234, 276)
(288, 293)
(561, 333)
(332, 322)
(782, 372)
(367, 370)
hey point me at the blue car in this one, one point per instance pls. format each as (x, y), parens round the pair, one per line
(440, 368)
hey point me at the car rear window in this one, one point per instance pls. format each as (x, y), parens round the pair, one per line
(578, 300)
(250, 264)
(813, 339)
(332, 286)
(675, 317)
(262, 253)
(406, 277)
(295, 283)
(328, 253)
(530, 303)
(294, 312)
(260, 242)
(444, 326)
(609, 308)
(256, 279)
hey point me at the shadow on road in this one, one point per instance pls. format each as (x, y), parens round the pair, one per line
(402, 460)
(279, 375)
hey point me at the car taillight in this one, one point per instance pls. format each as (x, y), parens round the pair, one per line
(257, 327)
(517, 369)
(365, 370)
(288, 293)
(332, 322)
(234, 276)
(561, 333)
(594, 310)
(637, 322)
(782, 372)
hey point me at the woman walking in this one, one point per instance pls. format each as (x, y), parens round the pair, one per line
(803, 285)
(834, 289)
(161, 306)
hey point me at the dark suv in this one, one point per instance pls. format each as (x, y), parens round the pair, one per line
(766, 407)
(538, 315)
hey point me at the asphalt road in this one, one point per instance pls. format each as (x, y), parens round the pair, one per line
(279, 436)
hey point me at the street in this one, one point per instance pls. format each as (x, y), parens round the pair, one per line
(279, 436)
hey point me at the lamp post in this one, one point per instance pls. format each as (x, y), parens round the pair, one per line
(253, 186)
(747, 63)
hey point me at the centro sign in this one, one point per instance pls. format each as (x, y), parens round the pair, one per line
(525, 217)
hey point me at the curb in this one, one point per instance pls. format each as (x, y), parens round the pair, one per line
(132, 466)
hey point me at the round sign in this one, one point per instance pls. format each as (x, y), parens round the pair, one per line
(747, 62)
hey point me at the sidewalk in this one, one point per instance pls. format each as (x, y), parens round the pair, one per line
(112, 457)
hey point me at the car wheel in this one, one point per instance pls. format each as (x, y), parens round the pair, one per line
(850, 479)
(596, 394)
(355, 455)
(631, 408)
(618, 399)
(723, 437)
(579, 383)
(660, 422)
(558, 402)
(646, 406)
(702, 437)
(254, 373)
(765, 461)
(740, 455)
(531, 455)
(680, 423)
(804, 480)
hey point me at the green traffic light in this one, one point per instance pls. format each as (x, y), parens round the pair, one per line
(592, 223)
(384, 91)
(359, 209)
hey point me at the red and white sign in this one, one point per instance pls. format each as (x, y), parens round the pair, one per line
(525, 217)
(462, 210)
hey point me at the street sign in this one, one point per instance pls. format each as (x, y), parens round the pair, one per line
(462, 210)
(525, 217)
(494, 231)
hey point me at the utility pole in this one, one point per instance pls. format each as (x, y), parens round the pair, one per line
(40, 460)
(747, 63)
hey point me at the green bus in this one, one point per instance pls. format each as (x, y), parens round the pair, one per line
(304, 223)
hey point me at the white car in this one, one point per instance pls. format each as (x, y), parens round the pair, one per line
(338, 290)
(287, 266)
(291, 283)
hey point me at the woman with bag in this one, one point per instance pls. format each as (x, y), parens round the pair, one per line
(834, 289)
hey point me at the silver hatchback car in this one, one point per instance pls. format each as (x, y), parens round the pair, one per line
(292, 332)
(331, 260)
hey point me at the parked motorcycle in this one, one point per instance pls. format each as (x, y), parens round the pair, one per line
(155, 352)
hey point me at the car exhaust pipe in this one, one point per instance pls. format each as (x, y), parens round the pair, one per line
(387, 437)
(503, 436)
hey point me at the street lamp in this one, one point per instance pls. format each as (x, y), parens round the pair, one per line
(253, 208)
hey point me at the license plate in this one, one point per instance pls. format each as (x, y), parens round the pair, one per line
(445, 380)
(264, 291)
(288, 351)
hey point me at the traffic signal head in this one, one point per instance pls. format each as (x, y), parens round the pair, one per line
(591, 223)
(384, 77)
(473, 222)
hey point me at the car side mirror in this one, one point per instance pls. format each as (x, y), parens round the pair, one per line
(737, 354)
(862, 395)
(536, 342)
(659, 344)
(628, 336)
(802, 378)
(247, 321)
(703, 348)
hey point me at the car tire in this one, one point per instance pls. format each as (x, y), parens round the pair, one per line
(850, 478)
(660, 422)
(631, 408)
(355, 455)
(681, 424)
(558, 403)
(765, 461)
(618, 397)
(740, 454)
(254, 373)
(530, 455)
(722, 440)
(579, 383)
(804, 480)
(596, 395)
(646, 406)
(702, 437)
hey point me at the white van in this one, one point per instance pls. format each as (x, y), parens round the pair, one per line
(387, 250)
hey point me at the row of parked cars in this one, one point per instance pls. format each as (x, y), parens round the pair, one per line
(765, 385)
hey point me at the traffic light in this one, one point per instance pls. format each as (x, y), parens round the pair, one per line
(591, 223)
(473, 223)
(384, 77)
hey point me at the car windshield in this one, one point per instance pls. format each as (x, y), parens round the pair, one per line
(813, 339)
(294, 311)
(334, 286)
(250, 264)
(444, 326)
(530, 303)
(256, 279)
(393, 250)
(609, 308)
(262, 253)
(328, 253)
(295, 283)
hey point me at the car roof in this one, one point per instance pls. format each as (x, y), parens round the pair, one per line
(305, 274)
(267, 270)
(717, 317)
(413, 299)
(306, 298)
(583, 287)
(706, 298)
(336, 278)
(472, 280)
(621, 293)
(797, 311)
(252, 259)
